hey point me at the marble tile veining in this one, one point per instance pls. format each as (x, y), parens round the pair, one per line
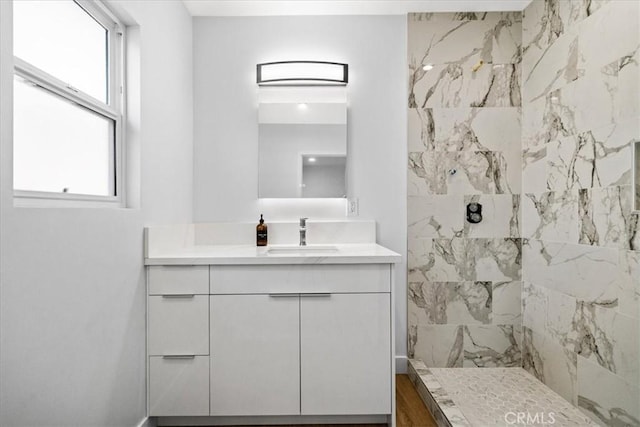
(451, 302)
(437, 345)
(457, 85)
(465, 129)
(534, 169)
(606, 218)
(588, 323)
(494, 259)
(492, 346)
(462, 259)
(551, 363)
(545, 21)
(601, 98)
(629, 283)
(434, 216)
(596, 158)
(556, 67)
(506, 303)
(507, 171)
(464, 145)
(439, 260)
(627, 103)
(551, 215)
(535, 301)
(586, 273)
(599, 48)
(453, 47)
(448, 37)
(464, 172)
(606, 398)
(596, 333)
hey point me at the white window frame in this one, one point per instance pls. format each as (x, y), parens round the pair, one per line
(113, 109)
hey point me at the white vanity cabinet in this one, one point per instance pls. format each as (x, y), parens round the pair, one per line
(304, 339)
(257, 340)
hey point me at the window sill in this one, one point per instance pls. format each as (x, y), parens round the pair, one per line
(37, 199)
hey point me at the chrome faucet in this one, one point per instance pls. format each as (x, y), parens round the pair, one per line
(303, 231)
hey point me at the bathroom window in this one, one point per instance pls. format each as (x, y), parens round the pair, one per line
(68, 91)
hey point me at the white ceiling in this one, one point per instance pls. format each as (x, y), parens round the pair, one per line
(344, 7)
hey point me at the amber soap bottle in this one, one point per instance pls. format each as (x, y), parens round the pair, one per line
(261, 233)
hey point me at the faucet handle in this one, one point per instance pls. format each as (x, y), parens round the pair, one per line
(303, 222)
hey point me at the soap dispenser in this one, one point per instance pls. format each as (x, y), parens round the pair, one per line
(261, 233)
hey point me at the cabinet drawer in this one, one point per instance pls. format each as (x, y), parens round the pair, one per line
(178, 325)
(179, 280)
(179, 386)
(255, 279)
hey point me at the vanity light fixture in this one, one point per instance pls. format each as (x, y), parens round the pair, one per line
(302, 73)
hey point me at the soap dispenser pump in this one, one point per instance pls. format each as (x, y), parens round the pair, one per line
(261, 233)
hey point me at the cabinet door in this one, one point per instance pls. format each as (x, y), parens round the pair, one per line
(345, 354)
(255, 368)
(178, 386)
(178, 325)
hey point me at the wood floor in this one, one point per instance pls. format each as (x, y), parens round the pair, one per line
(410, 410)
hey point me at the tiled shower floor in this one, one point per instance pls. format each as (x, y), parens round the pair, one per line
(482, 397)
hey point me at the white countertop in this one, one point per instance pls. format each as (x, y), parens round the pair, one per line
(369, 253)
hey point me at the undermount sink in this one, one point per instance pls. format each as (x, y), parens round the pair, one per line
(281, 250)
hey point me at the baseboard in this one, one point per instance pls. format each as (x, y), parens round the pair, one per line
(401, 364)
(147, 422)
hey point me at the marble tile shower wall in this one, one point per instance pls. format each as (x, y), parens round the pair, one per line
(465, 280)
(581, 259)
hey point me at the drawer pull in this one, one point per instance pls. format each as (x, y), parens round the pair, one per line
(316, 294)
(179, 356)
(283, 295)
(178, 296)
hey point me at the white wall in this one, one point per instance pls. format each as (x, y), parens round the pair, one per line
(166, 92)
(226, 51)
(72, 294)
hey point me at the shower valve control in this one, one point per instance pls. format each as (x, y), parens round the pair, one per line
(474, 212)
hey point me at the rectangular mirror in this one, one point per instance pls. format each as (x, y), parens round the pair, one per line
(636, 175)
(302, 150)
